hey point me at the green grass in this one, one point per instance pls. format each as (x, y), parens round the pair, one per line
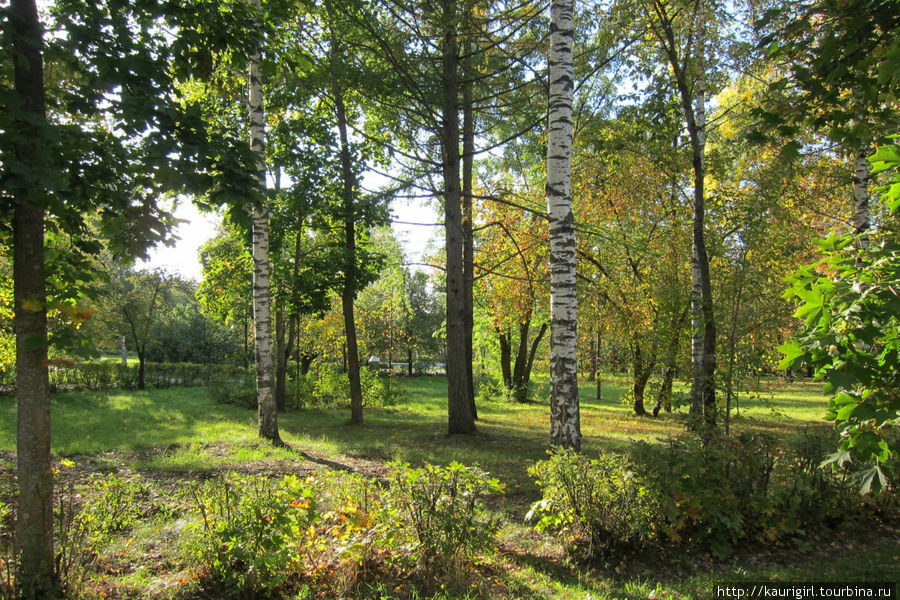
(194, 430)
(181, 432)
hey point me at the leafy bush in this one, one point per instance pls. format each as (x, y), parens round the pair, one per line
(251, 530)
(714, 494)
(114, 504)
(711, 493)
(601, 502)
(104, 375)
(240, 391)
(435, 516)
(331, 388)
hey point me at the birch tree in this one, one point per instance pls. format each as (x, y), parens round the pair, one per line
(565, 426)
(266, 411)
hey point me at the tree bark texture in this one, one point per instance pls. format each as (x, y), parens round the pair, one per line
(703, 385)
(861, 175)
(468, 159)
(565, 420)
(281, 360)
(267, 413)
(460, 417)
(642, 368)
(36, 577)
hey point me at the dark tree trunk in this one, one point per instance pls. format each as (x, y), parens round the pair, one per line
(505, 359)
(599, 378)
(533, 352)
(348, 294)
(36, 577)
(468, 158)
(692, 96)
(519, 386)
(306, 361)
(592, 372)
(409, 362)
(664, 398)
(460, 418)
(141, 379)
(285, 349)
(639, 380)
(281, 362)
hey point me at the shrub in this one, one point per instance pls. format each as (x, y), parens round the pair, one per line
(240, 391)
(114, 504)
(252, 530)
(600, 502)
(714, 494)
(435, 516)
(331, 388)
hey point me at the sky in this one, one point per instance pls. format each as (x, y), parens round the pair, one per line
(184, 258)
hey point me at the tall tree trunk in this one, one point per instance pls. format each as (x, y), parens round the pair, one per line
(664, 398)
(693, 103)
(642, 368)
(521, 355)
(565, 418)
(468, 159)
(460, 417)
(36, 576)
(281, 354)
(266, 410)
(505, 359)
(639, 380)
(348, 293)
(592, 370)
(282, 346)
(141, 378)
(703, 386)
(533, 352)
(599, 378)
(861, 176)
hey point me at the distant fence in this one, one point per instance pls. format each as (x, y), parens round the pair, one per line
(114, 375)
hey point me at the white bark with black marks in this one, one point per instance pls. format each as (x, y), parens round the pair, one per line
(565, 425)
(861, 175)
(262, 316)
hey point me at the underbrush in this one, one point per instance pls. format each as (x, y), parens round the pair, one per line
(327, 387)
(712, 495)
(329, 534)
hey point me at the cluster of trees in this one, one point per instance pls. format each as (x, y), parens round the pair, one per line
(671, 158)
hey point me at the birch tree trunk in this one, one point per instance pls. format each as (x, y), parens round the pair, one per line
(460, 416)
(565, 425)
(861, 175)
(262, 318)
(36, 576)
(703, 342)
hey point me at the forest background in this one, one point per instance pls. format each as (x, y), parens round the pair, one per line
(713, 185)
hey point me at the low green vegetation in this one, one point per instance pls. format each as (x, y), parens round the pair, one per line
(168, 493)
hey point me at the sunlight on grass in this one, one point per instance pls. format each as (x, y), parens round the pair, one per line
(190, 426)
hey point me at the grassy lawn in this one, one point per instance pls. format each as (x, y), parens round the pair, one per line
(180, 433)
